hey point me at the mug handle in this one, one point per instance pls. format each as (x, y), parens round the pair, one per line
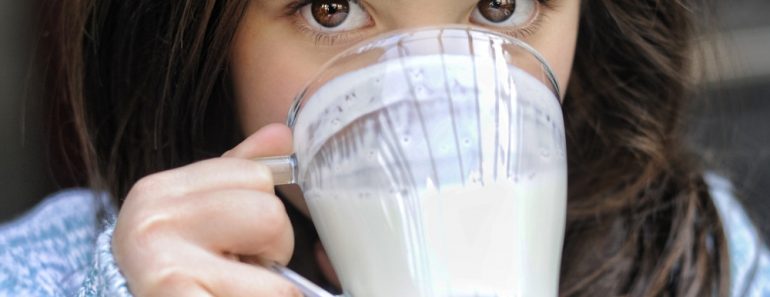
(283, 168)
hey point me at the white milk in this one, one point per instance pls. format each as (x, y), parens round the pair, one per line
(502, 239)
(417, 195)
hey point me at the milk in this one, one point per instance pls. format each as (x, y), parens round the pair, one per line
(425, 178)
(502, 239)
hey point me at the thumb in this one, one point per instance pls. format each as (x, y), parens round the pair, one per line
(270, 140)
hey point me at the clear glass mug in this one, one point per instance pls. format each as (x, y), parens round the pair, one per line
(433, 162)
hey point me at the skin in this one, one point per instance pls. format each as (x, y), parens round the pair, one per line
(180, 232)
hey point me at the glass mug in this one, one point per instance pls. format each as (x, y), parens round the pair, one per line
(433, 163)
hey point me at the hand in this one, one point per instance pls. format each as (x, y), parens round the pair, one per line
(184, 232)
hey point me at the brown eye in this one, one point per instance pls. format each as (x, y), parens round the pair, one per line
(330, 13)
(497, 11)
(507, 15)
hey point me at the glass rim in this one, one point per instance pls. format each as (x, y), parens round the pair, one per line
(383, 38)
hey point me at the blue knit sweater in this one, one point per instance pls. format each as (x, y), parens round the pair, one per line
(61, 248)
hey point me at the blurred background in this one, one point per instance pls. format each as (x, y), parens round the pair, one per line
(24, 180)
(730, 122)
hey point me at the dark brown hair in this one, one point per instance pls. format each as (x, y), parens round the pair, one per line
(144, 85)
(640, 219)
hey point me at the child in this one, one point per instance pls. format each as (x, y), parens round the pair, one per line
(161, 92)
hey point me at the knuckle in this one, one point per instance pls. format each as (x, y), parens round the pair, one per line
(163, 273)
(264, 177)
(151, 184)
(273, 214)
(260, 174)
(150, 227)
(172, 276)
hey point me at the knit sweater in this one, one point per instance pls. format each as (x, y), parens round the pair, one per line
(62, 248)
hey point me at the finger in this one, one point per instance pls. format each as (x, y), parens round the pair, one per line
(271, 140)
(203, 176)
(192, 271)
(173, 271)
(179, 288)
(239, 222)
(230, 278)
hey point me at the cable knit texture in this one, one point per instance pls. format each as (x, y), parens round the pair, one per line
(62, 248)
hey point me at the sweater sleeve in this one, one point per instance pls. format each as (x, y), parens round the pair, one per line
(104, 277)
(61, 248)
(749, 257)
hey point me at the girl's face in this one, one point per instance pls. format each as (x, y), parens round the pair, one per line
(281, 44)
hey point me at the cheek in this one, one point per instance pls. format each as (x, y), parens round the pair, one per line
(557, 38)
(267, 75)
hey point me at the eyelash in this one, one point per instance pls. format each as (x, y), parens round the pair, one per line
(328, 39)
(529, 29)
(320, 38)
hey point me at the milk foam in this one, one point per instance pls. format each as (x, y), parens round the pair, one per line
(421, 183)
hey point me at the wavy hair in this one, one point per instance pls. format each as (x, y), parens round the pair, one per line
(641, 221)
